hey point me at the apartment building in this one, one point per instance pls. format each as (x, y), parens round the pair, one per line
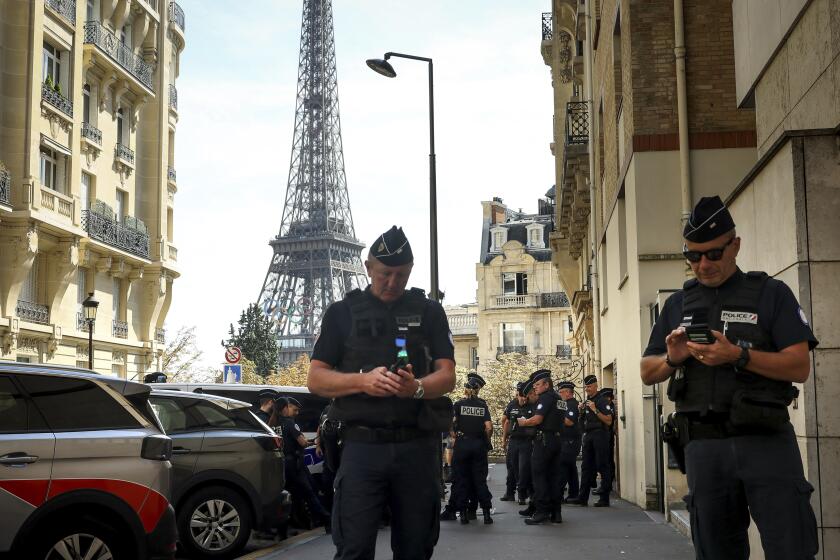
(87, 183)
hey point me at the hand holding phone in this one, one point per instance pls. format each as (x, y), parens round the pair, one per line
(699, 334)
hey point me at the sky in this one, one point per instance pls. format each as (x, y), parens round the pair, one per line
(236, 105)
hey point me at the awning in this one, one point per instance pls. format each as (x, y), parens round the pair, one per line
(53, 145)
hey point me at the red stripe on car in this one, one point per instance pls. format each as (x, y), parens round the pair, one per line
(33, 492)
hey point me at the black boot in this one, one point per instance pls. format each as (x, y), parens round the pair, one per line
(538, 518)
(473, 514)
(508, 497)
(603, 502)
(577, 502)
(523, 499)
(528, 511)
(464, 517)
(557, 516)
(487, 519)
(448, 514)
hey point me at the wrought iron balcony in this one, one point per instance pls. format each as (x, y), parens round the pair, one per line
(511, 350)
(171, 175)
(577, 122)
(57, 100)
(97, 35)
(564, 351)
(160, 335)
(67, 9)
(110, 231)
(547, 33)
(124, 153)
(176, 14)
(92, 133)
(119, 329)
(173, 97)
(554, 299)
(5, 186)
(82, 324)
(33, 312)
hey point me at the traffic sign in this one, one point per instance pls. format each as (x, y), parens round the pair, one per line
(233, 373)
(233, 354)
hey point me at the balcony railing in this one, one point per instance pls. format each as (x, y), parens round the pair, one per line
(119, 329)
(463, 324)
(546, 26)
(564, 351)
(176, 14)
(554, 299)
(173, 97)
(171, 175)
(124, 153)
(523, 300)
(115, 234)
(160, 335)
(33, 312)
(54, 201)
(67, 8)
(5, 186)
(92, 133)
(82, 324)
(577, 122)
(511, 350)
(57, 100)
(121, 54)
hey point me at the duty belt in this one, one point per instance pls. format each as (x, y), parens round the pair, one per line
(719, 429)
(366, 434)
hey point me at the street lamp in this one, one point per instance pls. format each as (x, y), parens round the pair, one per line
(384, 68)
(90, 306)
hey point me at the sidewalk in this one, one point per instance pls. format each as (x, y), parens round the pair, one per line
(622, 531)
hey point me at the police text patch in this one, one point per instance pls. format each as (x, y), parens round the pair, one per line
(739, 317)
(472, 411)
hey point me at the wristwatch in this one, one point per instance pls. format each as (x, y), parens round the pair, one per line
(672, 364)
(418, 394)
(743, 359)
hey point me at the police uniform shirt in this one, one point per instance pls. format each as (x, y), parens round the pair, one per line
(471, 414)
(779, 315)
(513, 411)
(291, 433)
(337, 324)
(572, 413)
(262, 415)
(546, 403)
(602, 405)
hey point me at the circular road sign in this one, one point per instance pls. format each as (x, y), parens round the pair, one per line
(233, 354)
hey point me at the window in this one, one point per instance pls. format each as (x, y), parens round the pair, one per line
(84, 193)
(604, 284)
(51, 64)
(172, 417)
(535, 237)
(90, 14)
(121, 206)
(571, 324)
(499, 238)
(117, 299)
(473, 357)
(29, 289)
(13, 408)
(86, 103)
(621, 210)
(118, 371)
(513, 335)
(60, 400)
(49, 165)
(81, 288)
(120, 127)
(23, 360)
(125, 35)
(514, 283)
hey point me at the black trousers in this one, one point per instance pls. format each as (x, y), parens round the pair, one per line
(518, 462)
(546, 466)
(469, 461)
(299, 484)
(595, 460)
(402, 475)
(571, 449)
(731, 478)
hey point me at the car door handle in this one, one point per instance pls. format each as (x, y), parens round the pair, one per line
(180, 450)
(18, 459)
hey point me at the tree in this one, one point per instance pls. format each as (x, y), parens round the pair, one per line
(294, 374)
(180, 359)
(256, 335)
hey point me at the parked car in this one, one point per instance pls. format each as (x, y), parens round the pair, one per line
(227, 475)
(84, 467)
(307, 419)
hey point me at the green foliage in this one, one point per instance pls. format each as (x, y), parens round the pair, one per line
(257, 337)
(101, 208)
(57, 88)
(49, 82)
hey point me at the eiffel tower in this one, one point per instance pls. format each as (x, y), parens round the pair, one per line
(317, 258)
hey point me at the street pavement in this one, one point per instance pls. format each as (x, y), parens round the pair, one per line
(622, 531)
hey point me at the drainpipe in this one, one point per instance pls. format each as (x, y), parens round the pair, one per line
(593, 205)
(682, 107)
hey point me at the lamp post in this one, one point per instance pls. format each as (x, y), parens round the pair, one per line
(90, 306)
(384, 67)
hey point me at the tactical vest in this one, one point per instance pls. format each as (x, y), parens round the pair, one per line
(703, 389)
(371, 343)
(470, 415)
(571, 431)
(553, 418)
(590, 417)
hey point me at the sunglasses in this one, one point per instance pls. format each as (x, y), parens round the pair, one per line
(711, 254)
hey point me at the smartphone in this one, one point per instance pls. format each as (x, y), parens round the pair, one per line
(700, 334)
(402, 355)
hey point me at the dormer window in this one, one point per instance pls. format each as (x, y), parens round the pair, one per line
(498, 237)
(535, 236)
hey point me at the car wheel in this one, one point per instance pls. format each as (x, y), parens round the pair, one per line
(86, 538)
(214, 522)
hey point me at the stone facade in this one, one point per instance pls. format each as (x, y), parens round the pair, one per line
(87, 138)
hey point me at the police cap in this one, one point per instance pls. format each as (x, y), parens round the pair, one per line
(606, 392)
(294, 402)
(540, 374)
(392, 248)
(475, 381)
(590, 379)
(266, 394)
(709, 219)
(566, 385)
(520, 388)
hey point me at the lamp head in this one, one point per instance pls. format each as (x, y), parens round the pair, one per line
(90, 306)
(382, 67)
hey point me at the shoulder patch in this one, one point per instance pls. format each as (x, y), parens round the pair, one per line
(297, 427)
(803, 318)
(539, 406)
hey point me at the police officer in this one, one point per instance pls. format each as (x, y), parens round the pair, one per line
(473, 429)
(265, 404)
(608, 394)
(517, 441)
(546, 455)
(570, 436)
(530, 404)
(597, 419)
(298, 480)
(393, 411)
(731, 344)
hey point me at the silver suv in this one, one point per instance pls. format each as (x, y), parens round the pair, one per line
(228, 473)
(84, 467)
